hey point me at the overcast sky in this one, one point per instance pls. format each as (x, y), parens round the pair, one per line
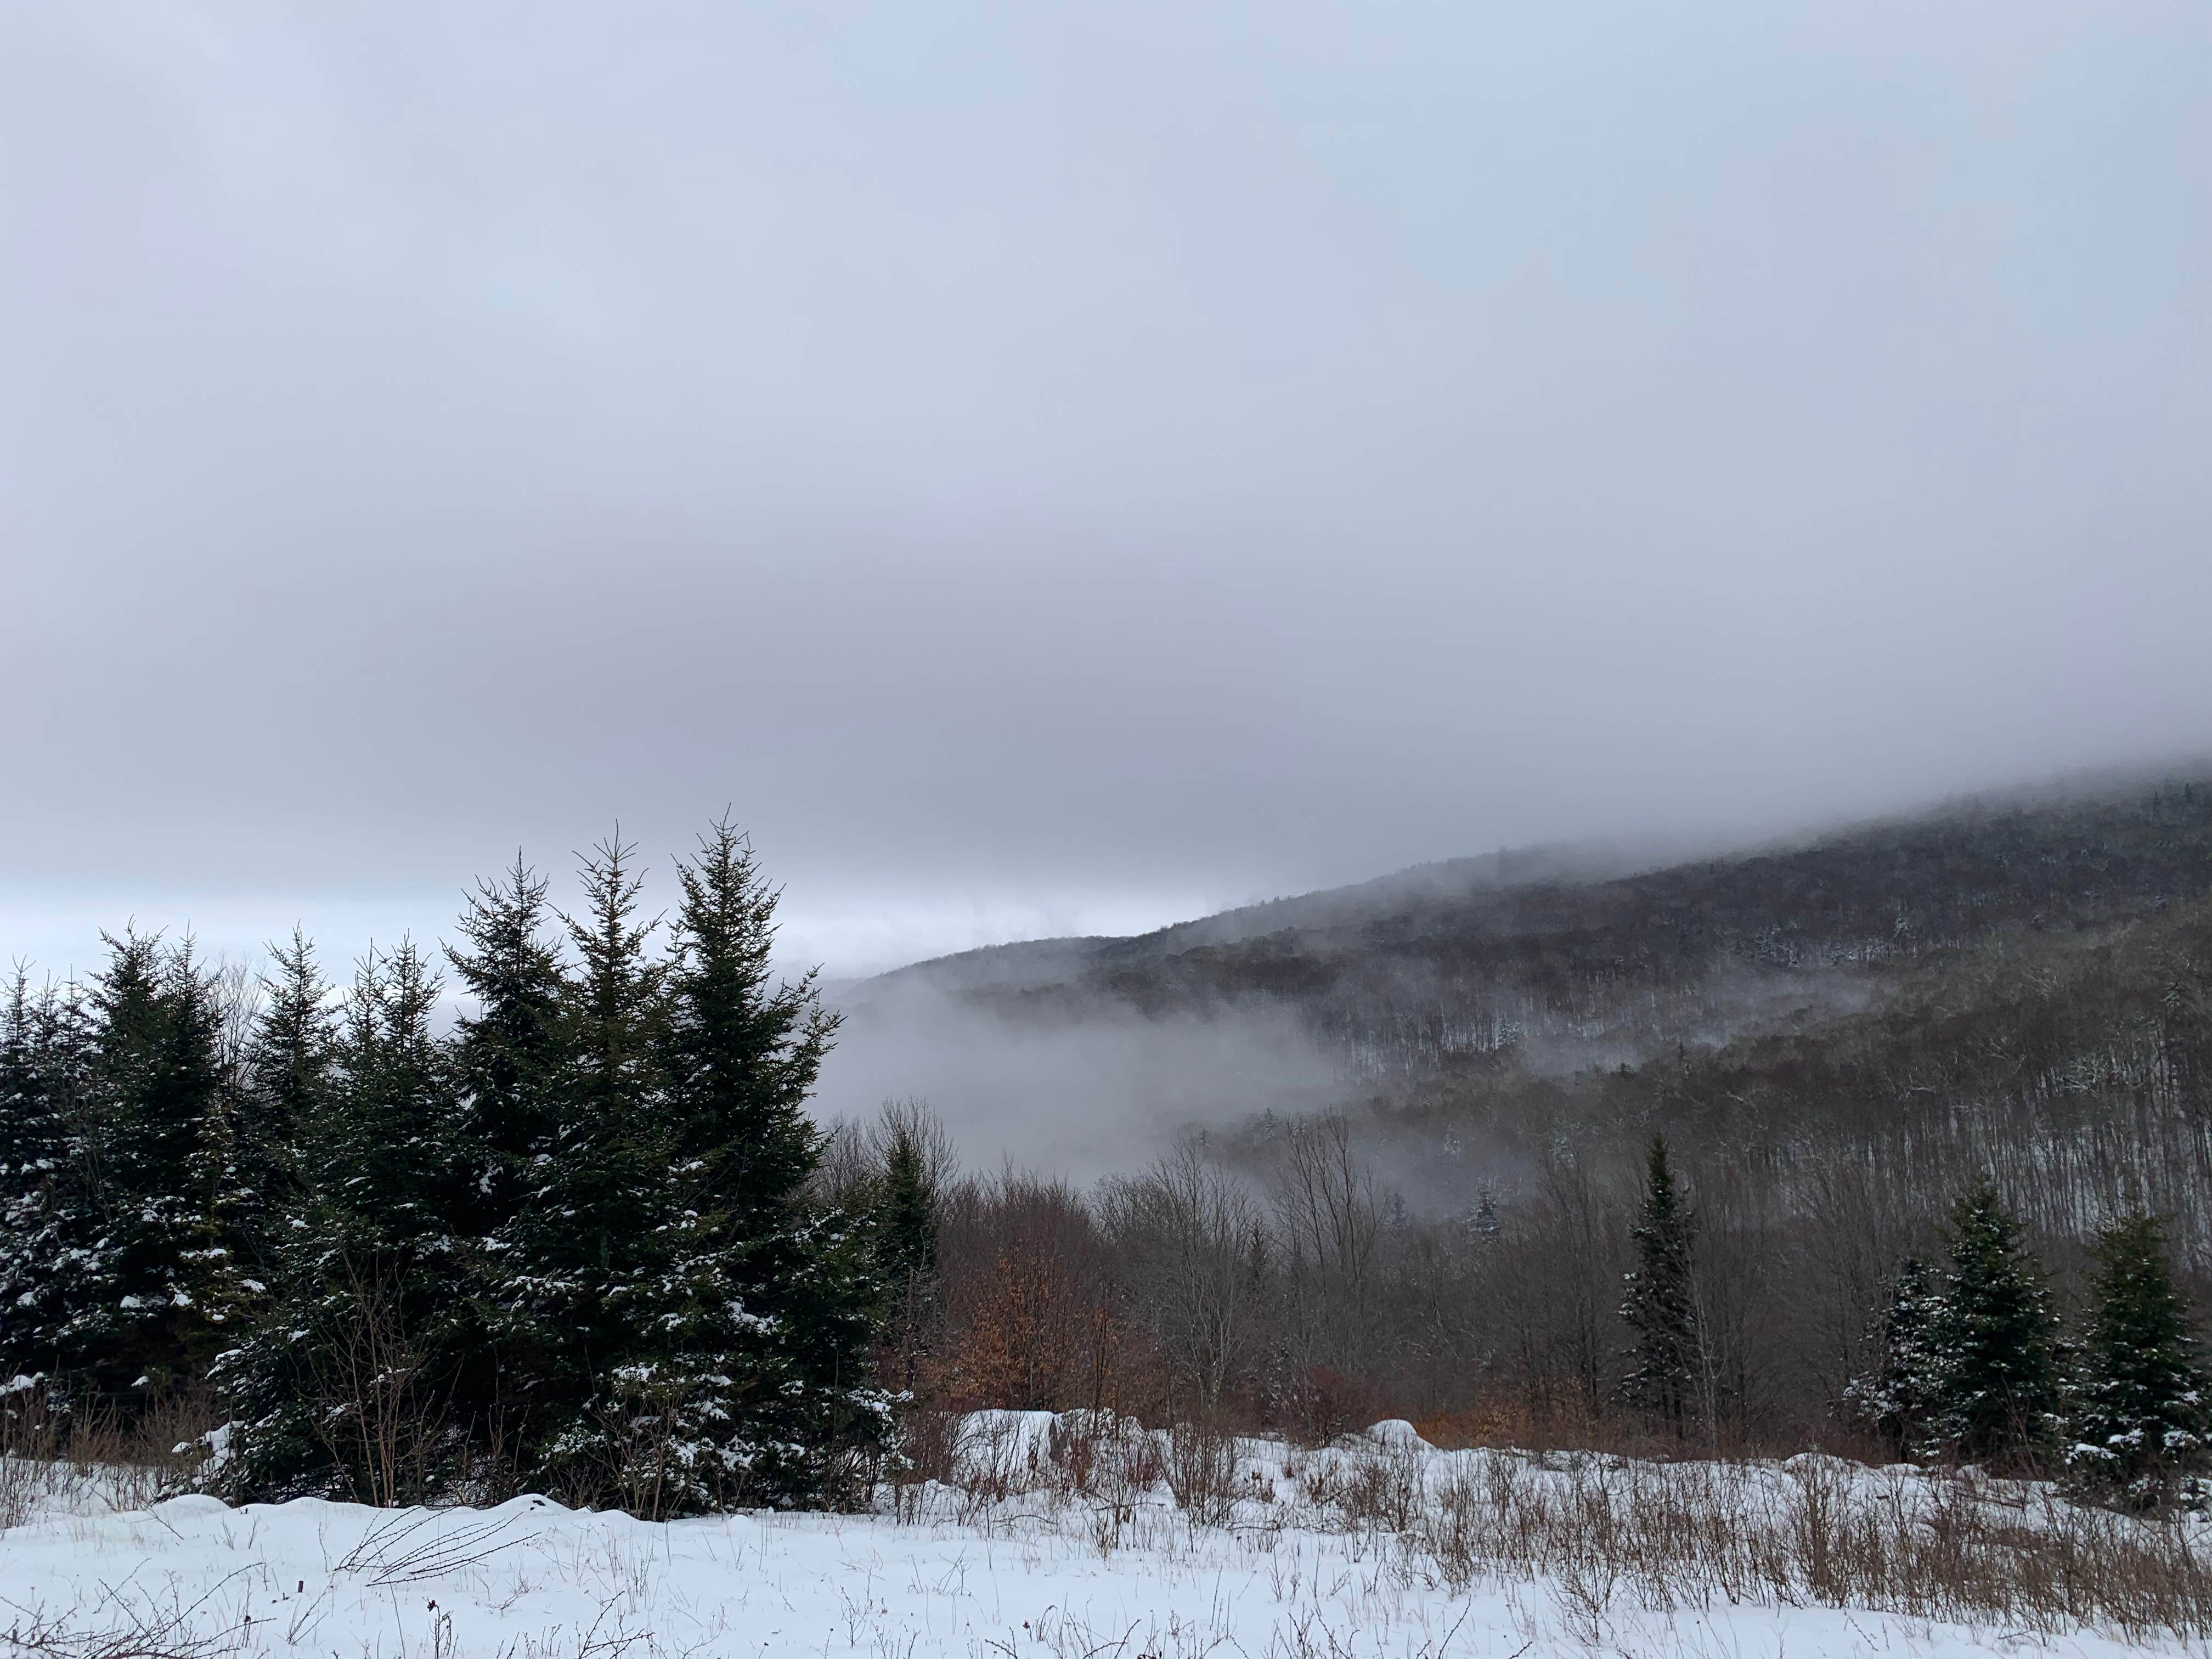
(1052, 466)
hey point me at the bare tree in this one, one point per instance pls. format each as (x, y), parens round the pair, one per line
(1192, 1245)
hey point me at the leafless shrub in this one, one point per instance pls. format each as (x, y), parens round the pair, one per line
(117, 1626)
(924, 1444)
(30, 1454)
(1145, 1464)
(920, 1457)
(1600, 1531)
(380, 1416)
(993, 1456)
(1201, 1472)
(1385, 1483)
(1109, 1463)
(1079, 1446)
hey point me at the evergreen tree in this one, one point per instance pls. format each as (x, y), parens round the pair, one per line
(575, 1243)
(906, 1199)
(743, 1053)
(345, 1388)
(592, 1302)
(1898, 1396)
(796, 1408)
(508, 1052)
(1994, 1338)
(288, 1071)
(286, 1075)
(29, 1136)
(391, 1151)
(2141, 1408)
(42, 1050)
(906, 1210)
(132, 1223)
(1482, 1223)
(1666, 1363)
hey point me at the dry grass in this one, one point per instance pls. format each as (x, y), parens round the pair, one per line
(1604, 1534)
(94, 1454)
(1813, 1532)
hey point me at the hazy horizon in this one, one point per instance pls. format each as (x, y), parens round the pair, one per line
(1071, 472)
(850, 946)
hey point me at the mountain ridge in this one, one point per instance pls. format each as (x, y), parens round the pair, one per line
(1516, 892)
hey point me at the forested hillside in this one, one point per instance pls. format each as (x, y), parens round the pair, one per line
(1839, 1039)
(1416, 971)
(1898, 1140)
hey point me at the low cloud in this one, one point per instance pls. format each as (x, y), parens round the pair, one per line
(1081, 1093)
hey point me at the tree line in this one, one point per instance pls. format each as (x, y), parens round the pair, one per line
(584, 1239)
(1971, 1364)
(566, 1243)
(1298, 1295)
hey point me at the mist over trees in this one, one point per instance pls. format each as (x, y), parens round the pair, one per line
(2004, 1007)
(1896, 1144)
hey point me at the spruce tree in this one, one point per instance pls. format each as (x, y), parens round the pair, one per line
(345, 1388)
(590, 1301)
(132, 1317)
(29, 1136)
(1666, 1364)
(509, 1050)
(742, 1053)
(2141, 1409)
(43, 1045)
(509, 1054)
(1995, 1338)
(797, 1407)
(287, 1070)
(906, 1210)
(905, 1201)
(1897, 1398)
(286, 1075)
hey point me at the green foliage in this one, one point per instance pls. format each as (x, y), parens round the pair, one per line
(799, 1295)
(741, 1054)
(509, 1047)
(1994, 1370)
(570, 1247)
(45, 1046)
(1665, 1373)
(342, 1385)
(906, 1210)
(287, 1071)
(584, 1282)
(1899, 1397)
(579, 1226)
(904, 1200)
(2141, 1412)
(134, 1318)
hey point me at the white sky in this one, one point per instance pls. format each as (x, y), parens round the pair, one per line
(1071, 467)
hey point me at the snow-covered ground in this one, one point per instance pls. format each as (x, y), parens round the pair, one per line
(1051, 1541)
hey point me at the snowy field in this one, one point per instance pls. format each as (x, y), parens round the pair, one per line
(1082, 1541)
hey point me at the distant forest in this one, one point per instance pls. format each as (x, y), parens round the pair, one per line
(1745, 1155)
(1840, 1042)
